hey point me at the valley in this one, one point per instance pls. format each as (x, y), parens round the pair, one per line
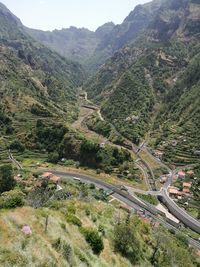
(99, 141)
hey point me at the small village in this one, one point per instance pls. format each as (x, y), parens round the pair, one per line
(182, 184)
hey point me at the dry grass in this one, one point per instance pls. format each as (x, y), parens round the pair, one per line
(150, 160)
(37, 249)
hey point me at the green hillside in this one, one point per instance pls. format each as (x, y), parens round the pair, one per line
(152, 83)
(147, 88)
(34, 81)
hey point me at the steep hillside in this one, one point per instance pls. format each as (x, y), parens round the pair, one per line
(31, 70)
(179, 119)
(93, 48)
(77, 226)
(131, 27)
(73, 43)
(138, 82)
(34, 81)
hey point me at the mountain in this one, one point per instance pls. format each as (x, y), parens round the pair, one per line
(131, 27)
(93, 48)
(143, 86)
(34, 81)
(73, 43)
(19, 47)
(148, 88)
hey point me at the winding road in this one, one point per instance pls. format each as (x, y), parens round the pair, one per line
(175, 210)
(134, 202)
(131, 201)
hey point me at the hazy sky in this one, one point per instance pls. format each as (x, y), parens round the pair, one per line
(57, 14)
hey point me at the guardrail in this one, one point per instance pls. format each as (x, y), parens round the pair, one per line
(179, 213)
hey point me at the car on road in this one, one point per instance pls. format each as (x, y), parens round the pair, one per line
(122, 187)
(77, 179)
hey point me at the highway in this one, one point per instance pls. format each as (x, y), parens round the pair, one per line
(178, 212)
(175, 210)
(131, 201)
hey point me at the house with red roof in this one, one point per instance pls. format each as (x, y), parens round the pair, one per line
(181, 174)
(46, 175)
(54, 178)
(50, 176)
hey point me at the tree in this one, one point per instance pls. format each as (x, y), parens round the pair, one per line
(94, 239)
(7, 181)
(53, 157)
(16, 145)
(11, 199)
(126, 241)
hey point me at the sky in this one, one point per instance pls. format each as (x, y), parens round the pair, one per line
(58, 14)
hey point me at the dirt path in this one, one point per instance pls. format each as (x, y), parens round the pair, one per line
(80, 125)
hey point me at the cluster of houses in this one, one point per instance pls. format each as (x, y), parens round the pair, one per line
(50, 176)
(33, 181)
(175, 192)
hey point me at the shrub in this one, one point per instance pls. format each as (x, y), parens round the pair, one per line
(9, 129)
(67, 252)
(70, 162)
(98, 171)
(94, 239)
(16, 145)
(126, 242)
(71, 209)
(4, 119)
(11, 199)
(40, 111)
(87, 212)
(57, 244)
(71, 218)
(7, 181)
(92, 186)
(101, 229)
(53, 157)
(108, 169)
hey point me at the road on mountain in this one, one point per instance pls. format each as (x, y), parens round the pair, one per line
(132, 202)
(149, 177)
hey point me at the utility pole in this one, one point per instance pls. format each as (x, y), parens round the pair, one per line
(46, 222)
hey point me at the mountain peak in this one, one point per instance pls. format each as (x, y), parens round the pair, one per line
(104, 29)
(9, 15)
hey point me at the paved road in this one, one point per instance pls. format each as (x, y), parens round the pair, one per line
(132, 190)
(172, 206)
(131, 201)
(179, 213)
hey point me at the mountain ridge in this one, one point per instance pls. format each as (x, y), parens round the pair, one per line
(98, 50)
(162, 52)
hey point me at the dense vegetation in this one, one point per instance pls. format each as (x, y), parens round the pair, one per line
(34, 81)
(71, 145)
(7, 181)
(152, 85)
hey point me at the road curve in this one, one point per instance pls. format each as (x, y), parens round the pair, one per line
(179, 213)
(131, 201)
